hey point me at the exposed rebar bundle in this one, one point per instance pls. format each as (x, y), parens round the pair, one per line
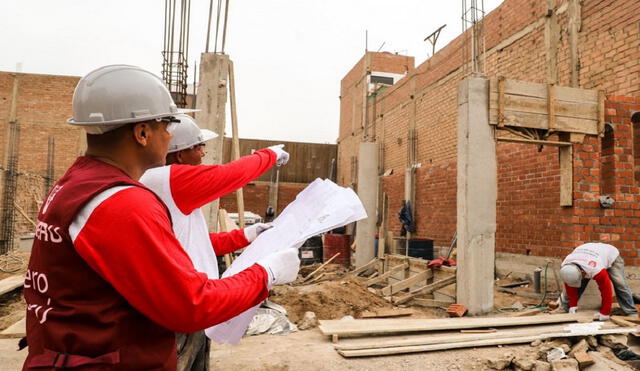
(175, 54)
(472, 17)
(9, 194)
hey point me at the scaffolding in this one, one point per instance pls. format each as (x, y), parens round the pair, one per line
(175, 52)
(7, 236)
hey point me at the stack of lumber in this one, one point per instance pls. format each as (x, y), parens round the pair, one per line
(412, 338)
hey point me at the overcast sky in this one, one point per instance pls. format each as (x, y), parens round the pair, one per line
(289, 55)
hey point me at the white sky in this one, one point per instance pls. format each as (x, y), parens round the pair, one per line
(289, 55)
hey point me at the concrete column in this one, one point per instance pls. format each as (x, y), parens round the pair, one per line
(476, 201)
(368, 193)
(212, 100)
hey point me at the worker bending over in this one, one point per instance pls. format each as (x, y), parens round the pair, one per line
(108, 283)
(184, 185)
(603, 263)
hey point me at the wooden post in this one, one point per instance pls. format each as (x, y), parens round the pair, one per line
(222, 221)
(212, 100)
(236, 140)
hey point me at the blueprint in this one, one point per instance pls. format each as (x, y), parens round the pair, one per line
(319, 208)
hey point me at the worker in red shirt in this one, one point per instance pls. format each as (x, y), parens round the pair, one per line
(108, 283)
(185, 185)
(603, 263)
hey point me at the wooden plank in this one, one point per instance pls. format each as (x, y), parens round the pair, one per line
(11, 283)
(426, 290)
(551, 106)
(321, 267)
(365, 267)
(566, 175)
(501, 102)
(385, 313)
(529, 312)
(446, 338)
(431, 303)
(466, 344)
(17, 330)
(533, 141)
(408, 282)
(563, 93)
(540, 121)
(601, 122)
(588, 111)
(387, 274)
(384, 326)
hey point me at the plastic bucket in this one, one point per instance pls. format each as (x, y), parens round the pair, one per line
(337, 243)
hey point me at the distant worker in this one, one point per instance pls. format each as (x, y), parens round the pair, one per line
(603, 263)
(185, 185)
(108, 283)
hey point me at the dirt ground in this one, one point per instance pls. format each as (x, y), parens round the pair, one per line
(308, 350)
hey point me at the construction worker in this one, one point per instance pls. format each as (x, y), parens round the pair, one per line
(184, 185)
(108, 283)
(603, 263)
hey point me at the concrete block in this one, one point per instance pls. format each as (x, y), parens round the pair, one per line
(569, 364)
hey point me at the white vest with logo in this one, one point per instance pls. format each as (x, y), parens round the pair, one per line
(191, 230)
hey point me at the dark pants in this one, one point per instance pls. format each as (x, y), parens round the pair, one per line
(193, 351)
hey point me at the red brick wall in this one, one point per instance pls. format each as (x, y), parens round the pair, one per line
(530, 220)
(43, 105)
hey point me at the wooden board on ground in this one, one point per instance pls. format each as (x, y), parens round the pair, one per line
(17, 330)
(390, 326)
(431, 303)
(384, 313)
(491, 340)
(11, 283)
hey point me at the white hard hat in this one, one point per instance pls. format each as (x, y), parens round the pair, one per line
(115, 95)
(187, 134)
(571, 275)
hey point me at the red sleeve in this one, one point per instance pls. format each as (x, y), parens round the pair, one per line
(145, 263)
(228, 242)
(195, 186)
(572, 294)
(606, 291)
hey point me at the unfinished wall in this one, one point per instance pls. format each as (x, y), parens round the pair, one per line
(43, 105)
(524, 41)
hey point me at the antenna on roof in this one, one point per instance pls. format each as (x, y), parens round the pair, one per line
(433, 38)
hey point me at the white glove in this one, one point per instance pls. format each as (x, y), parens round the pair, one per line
(282, 156)
(282, 266)
(253, 231)
(573, 310)
(600, 317)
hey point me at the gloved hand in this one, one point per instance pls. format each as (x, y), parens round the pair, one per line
(282, 156)
(600, 317)
(282, 266)
(573, 310)
(253, 231)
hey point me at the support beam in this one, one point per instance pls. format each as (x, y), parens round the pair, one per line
(367, 191)
(236, 140)
(212, 100)
(477, 194)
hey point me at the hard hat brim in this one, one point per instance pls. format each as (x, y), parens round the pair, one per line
(207, 135)
(132, 120)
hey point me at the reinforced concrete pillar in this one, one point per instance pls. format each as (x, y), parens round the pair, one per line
(212, 100)
(476, 201)
(368, 193)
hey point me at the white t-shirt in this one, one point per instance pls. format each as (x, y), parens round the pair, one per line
(593, 257)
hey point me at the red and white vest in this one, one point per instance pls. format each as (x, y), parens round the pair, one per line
(74, 317)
